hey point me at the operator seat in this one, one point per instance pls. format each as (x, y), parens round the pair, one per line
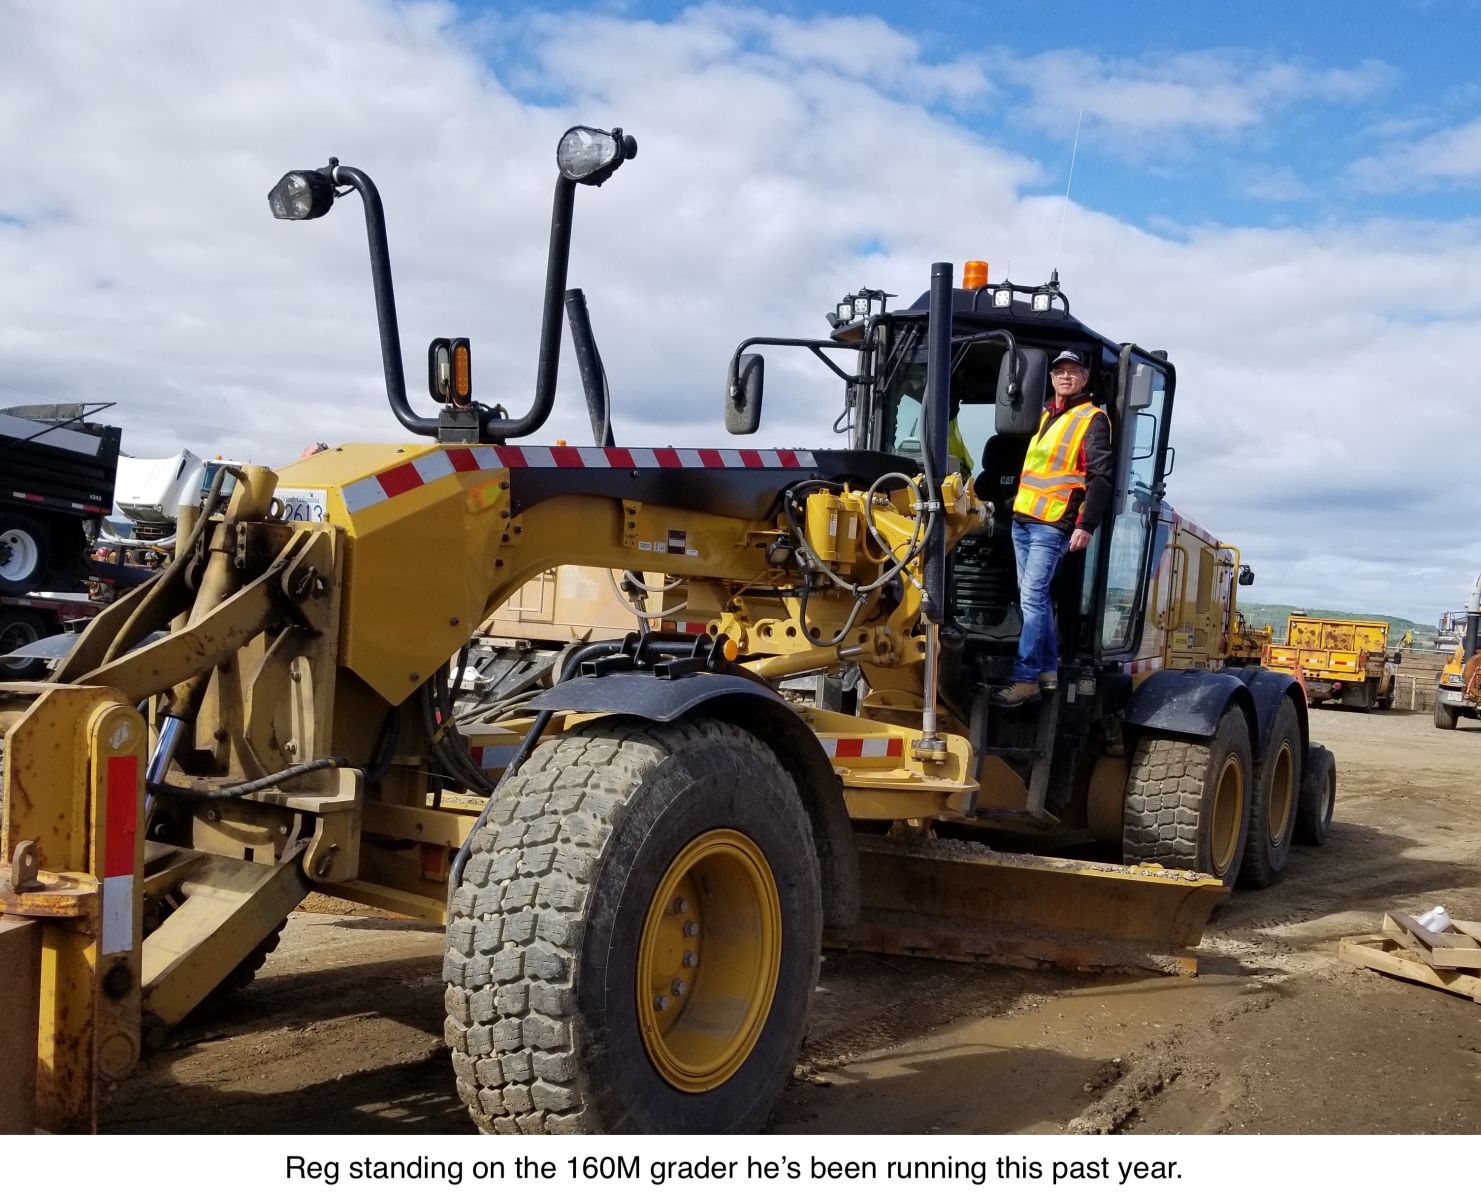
(984, 575)
(1002, 464)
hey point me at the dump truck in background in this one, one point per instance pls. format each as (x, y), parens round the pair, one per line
(1340, 659)
(57, 472)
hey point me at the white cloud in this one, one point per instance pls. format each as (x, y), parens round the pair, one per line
(1443, 158)
(140, 264)
(1223, 93)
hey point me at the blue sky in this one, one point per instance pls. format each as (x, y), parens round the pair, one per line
(1396, 71)
(1285, 196)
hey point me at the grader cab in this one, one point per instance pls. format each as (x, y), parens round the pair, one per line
(636, 866)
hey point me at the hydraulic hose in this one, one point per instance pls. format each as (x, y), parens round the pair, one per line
(247, 787)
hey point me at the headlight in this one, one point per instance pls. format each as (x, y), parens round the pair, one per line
(1454, 680)
(1002, 298)
(587, 155)
(301, 196)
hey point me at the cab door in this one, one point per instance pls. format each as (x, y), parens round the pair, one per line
(1130, 536)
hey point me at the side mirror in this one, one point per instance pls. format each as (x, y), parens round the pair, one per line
(1017, 413)
(1140, 386)
(1246, 576)
(743, 394)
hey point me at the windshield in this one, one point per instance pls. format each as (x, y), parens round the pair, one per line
(973, 393)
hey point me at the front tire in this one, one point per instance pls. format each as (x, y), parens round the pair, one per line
(1445, 716)
(636, 939)
(1275, 801)
(1188, 801)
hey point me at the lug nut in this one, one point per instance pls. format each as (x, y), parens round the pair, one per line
(681, 905)
(691, 959)
(691, 928)
(660, 1003)
(677, 987)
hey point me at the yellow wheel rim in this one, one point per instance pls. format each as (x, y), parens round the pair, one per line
(708, 960)
(1282, 796)
(1228, 815)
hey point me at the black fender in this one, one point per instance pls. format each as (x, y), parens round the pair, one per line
(1267, 690)
(756, 708)
(1189, 701)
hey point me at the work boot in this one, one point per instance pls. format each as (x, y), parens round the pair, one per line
(1019, 692)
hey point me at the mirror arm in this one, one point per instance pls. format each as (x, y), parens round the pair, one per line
(1015, 384)
(816, 345)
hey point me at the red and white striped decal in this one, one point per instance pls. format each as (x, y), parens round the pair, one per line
(690, 627)
(33, 498)
(1142, 666)
(1181, 522)
(120, 825)
(878, 747)
(416, 472)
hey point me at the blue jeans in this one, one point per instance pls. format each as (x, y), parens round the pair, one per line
(1038, 549)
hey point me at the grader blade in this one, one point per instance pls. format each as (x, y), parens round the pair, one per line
(964, 903)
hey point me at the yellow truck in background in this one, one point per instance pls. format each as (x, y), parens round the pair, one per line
(1339, 658)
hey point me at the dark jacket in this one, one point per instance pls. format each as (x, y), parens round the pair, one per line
(1096, 463)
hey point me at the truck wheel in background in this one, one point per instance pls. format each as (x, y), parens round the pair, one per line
(635, 942)
(1274, 801)
(1445, 716)
(20, 627)
(24, 553)
(1188, 800)
(1318, 796)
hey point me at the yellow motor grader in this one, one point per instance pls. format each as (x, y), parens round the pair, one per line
(637, 866)
(1458, 686)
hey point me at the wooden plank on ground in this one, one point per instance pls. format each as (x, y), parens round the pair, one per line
(1452, 951)
(1472, 929)
(1377, 952)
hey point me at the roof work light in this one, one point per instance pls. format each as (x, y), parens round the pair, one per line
(587, 155)
(301, 196)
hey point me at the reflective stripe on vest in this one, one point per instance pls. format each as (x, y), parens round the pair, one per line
(1051, 472)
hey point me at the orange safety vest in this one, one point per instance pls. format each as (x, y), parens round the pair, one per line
(1051, 467)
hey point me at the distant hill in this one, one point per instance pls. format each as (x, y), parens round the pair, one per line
(1276, 615)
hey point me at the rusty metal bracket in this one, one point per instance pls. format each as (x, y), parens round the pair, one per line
(23, 867)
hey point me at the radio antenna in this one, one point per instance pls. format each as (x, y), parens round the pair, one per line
(1065, 204)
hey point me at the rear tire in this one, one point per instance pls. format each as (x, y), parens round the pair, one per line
(1188, 801)
(1318, 797)
(19, 627)
(1445, 716)
(624, 857)
(1275, 801)
(24, 553)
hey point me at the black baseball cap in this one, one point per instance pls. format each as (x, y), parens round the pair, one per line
(1069, 356)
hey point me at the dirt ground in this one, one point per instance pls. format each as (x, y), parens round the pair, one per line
(342, 1032)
